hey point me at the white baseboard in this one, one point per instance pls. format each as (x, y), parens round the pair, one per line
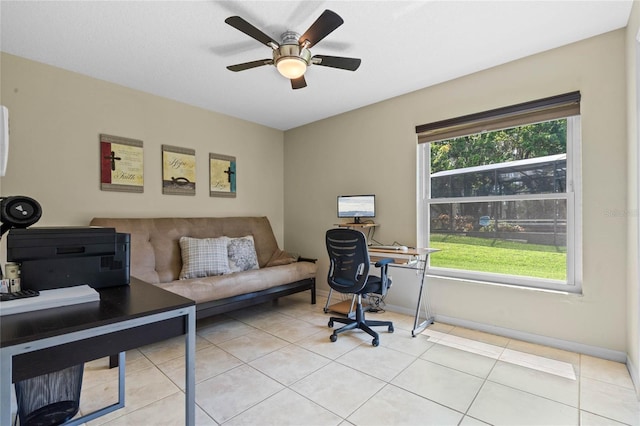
(566, 345)
(538, 339)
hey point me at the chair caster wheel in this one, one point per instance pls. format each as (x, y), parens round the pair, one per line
(391, 329)
(333, 337)
(325, 310)
(330, 324)
(375, 342)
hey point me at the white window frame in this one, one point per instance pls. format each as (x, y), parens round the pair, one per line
(573, 197)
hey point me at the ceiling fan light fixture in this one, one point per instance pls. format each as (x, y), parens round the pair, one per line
(291, 59)
(291, 67)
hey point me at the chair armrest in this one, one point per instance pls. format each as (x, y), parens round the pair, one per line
(383, 262)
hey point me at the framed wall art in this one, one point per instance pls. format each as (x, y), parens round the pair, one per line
(222, 175)
(178, 170)
(121, 164)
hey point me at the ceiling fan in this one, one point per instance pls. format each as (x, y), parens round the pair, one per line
(292, 56)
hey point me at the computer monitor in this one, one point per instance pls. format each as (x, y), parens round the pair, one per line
(356, 206)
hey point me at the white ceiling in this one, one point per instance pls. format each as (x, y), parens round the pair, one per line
(179, 49)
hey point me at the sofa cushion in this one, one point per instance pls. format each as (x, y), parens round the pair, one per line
(242, 254)
(203, 257)
(222, 286)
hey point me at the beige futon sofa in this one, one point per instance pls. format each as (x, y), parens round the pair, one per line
(156, 258)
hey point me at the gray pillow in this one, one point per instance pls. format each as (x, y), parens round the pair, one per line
(242, 254)
(203, 257)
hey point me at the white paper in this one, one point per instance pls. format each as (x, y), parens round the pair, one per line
(50, 299)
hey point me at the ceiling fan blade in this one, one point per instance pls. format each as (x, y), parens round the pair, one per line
(322, 27)
(241, 25)
(298, 83)
(249, 65)
(350, 64)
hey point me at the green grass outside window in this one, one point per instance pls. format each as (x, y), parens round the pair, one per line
(499, 256)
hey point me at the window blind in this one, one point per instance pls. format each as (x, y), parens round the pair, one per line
(551, 108)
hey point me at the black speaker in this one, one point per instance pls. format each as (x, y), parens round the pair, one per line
(19, 211)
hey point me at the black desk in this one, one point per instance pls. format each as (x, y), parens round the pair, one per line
(126, 317)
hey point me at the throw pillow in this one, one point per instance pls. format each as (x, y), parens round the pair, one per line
(242, 254)
(280, 257)
(203, 257)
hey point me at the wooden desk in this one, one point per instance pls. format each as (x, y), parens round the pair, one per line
(126, 317)
(413, 258)
(353, 225)
(400, 257)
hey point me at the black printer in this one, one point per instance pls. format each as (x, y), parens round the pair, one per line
(69, 256)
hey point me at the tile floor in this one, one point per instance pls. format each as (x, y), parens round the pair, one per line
(275, 365)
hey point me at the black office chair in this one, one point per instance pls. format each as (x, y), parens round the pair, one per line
(349, 273)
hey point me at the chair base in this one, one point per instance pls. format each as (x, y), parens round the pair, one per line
(359, 323)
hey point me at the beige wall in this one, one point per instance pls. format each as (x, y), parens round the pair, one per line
(633, 207)
(55, 119)
(56, 116)
(373, 150)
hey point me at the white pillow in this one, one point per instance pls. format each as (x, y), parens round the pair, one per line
(242, 254)
(203, 257)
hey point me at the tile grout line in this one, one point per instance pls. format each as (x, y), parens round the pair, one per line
(484, 382)
(580, 389)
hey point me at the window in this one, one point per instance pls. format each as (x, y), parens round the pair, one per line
(498, 194)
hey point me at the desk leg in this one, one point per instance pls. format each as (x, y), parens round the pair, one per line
(121, 370)
(190, 368)
(113, 407)
(326, 305)
(5, 392)
(5, 387)
(429, 319)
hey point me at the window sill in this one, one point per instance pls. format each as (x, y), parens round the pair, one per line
(568, 292)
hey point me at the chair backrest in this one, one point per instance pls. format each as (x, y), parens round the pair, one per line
(349, 260)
